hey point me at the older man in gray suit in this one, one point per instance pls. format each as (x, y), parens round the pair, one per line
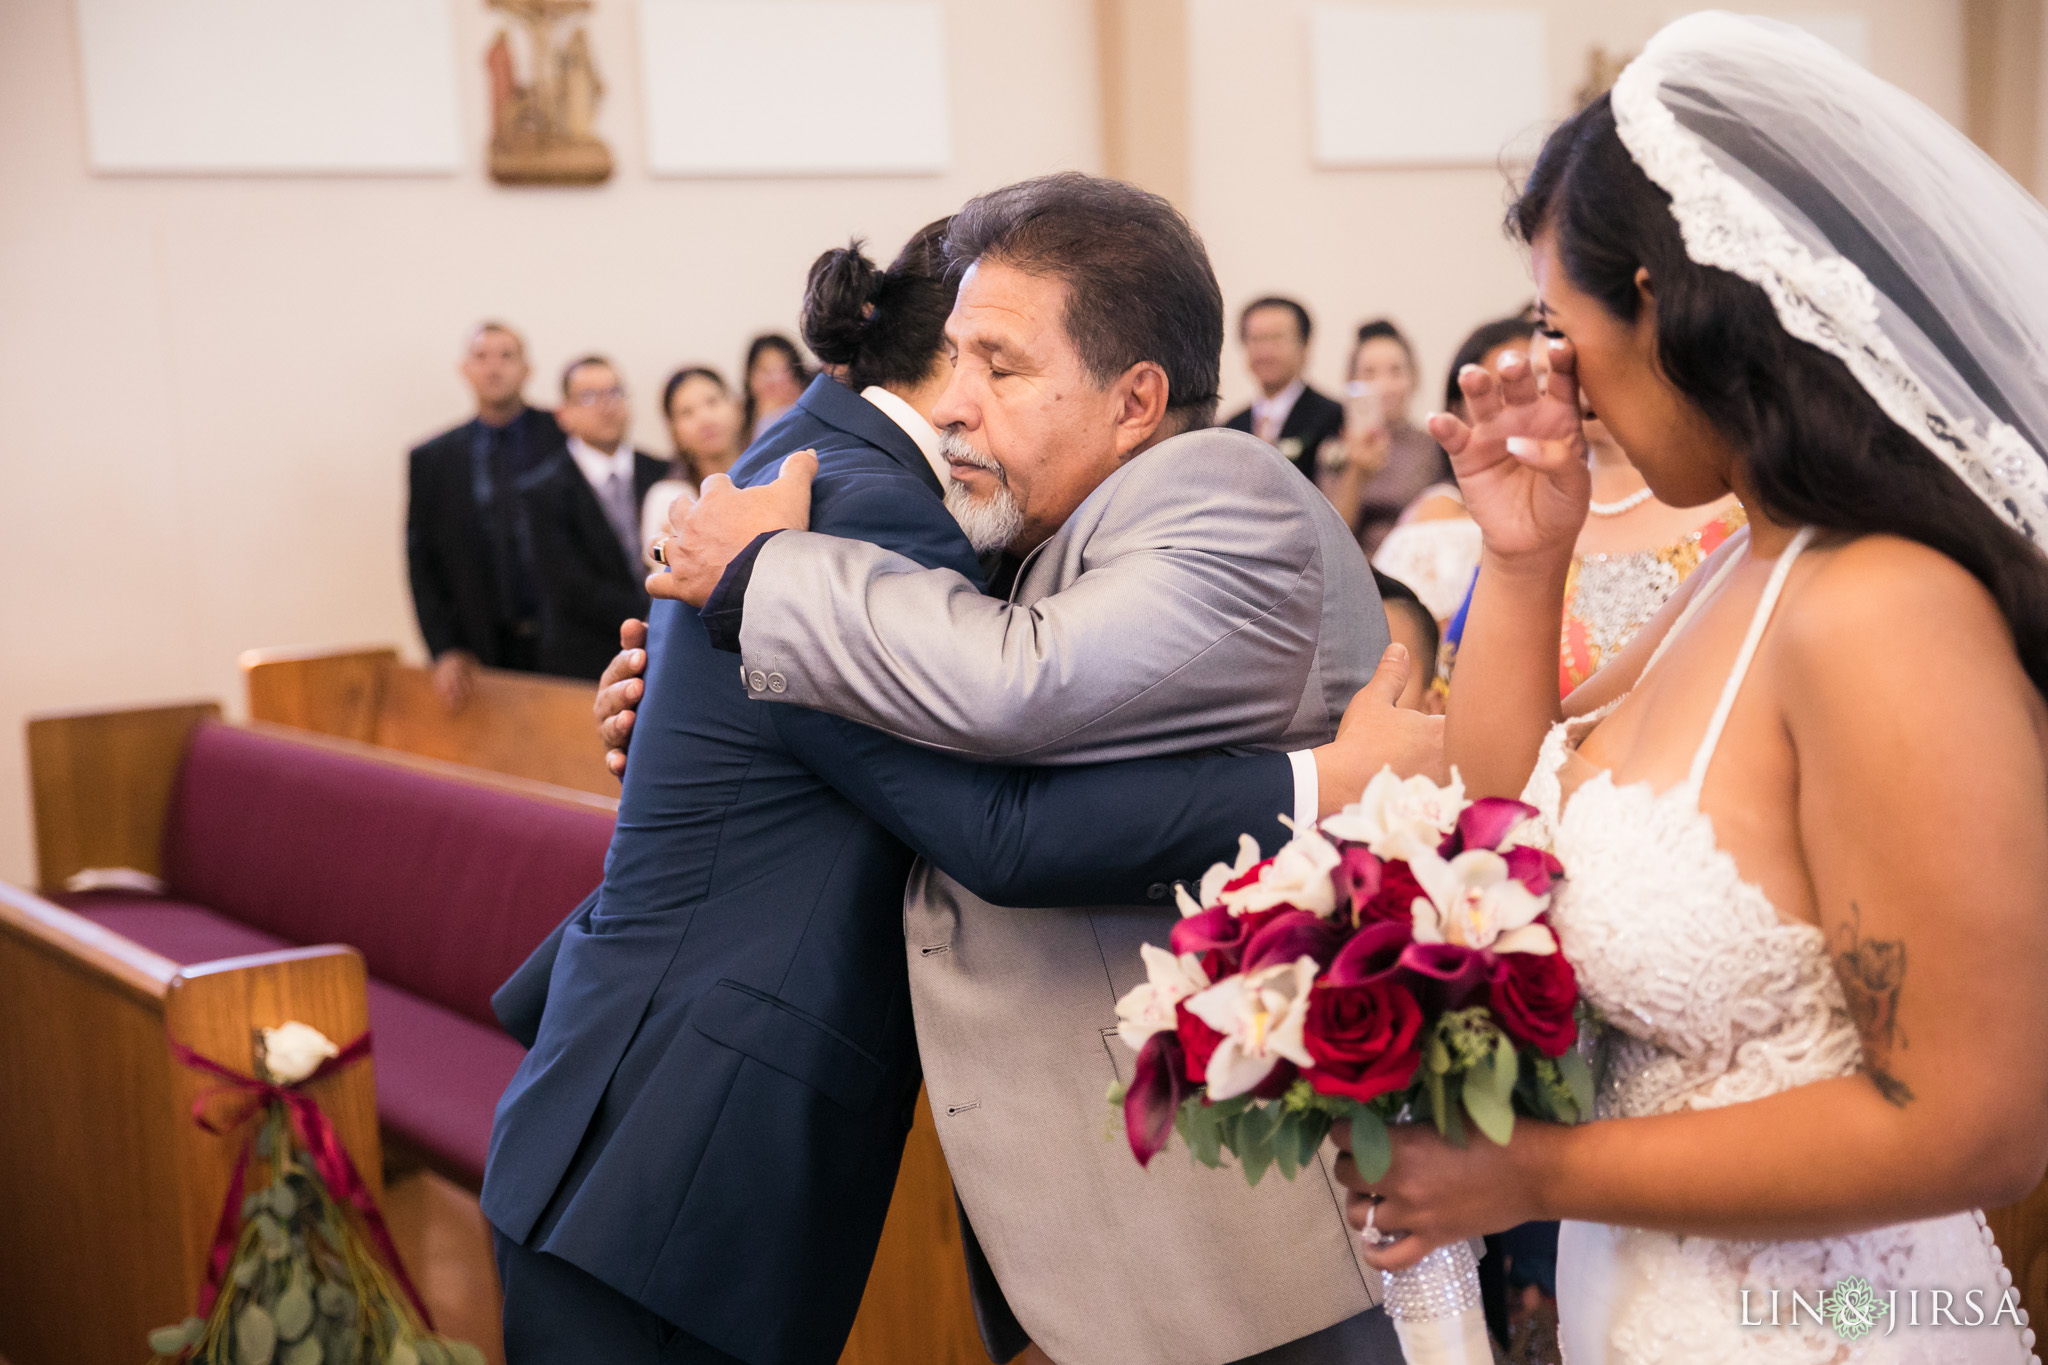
(1176, 589)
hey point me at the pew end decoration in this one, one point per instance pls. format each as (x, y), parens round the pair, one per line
(302, 1270)
(1392, 963)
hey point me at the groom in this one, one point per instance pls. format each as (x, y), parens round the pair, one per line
(1179, 593)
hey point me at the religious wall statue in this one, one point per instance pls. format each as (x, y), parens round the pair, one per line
(543, 129)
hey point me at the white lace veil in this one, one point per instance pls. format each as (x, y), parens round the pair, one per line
(1881, 234)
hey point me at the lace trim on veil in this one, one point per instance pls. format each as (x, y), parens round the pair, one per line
(1826, 301)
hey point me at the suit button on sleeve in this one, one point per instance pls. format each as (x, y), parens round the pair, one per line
(758, 681)
(777, 683)
(1157, 891)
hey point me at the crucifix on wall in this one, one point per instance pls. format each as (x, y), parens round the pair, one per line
(543, 129)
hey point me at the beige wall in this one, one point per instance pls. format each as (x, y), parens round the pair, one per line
(209, 384)
(1421, 246)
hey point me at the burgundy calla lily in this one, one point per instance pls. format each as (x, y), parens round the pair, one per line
(1289, 936)
(1451, 972)
(1533, 868)
(1486, 822)
(1356, 876)
(1157, 1089)
(1373, 954)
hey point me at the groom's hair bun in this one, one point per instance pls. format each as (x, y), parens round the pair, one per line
(884, 326)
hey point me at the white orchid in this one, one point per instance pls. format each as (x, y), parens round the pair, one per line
(1148, 1009)
(293, 1051)
(1298, 875)
(1398, 819)
(1475, 902)
(1220, 875)
(1260, 1015)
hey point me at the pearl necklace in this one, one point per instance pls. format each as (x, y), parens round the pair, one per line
(1615, 509)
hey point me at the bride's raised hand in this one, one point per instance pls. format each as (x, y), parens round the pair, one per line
(1521, 460)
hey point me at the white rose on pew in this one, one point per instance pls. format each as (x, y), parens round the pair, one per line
(294, 1051)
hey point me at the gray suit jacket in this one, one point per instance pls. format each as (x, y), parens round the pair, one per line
(1204, 596)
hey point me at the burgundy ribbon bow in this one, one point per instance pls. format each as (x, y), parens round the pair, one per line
(330, 1160)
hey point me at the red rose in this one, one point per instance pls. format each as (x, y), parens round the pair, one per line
(1532, 995)
(1366, 1040)
(1197, 1042)
(1395, 898)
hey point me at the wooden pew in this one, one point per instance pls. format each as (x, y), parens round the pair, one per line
(917, 1306)
(517, 723)
(109, 1192)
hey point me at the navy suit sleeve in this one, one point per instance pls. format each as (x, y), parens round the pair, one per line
(1110, 834)
(1103, 835)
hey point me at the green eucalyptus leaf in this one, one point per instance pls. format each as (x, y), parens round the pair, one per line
(1204, 1134)
(305, 1351)
(294, 1311)
(1489, 1109)
(1314, 1127)
(1579, 1077)
(402, 1353)
(1438, 1056)
(1371, 1149)
(332, 1299)
(1433, 1089)
(255, 1336)
(430, 1351)
(1507, 1069)
(245, 1272)
(1287, 1144)
(462, 1353)
(283, 1202)
(1453, 1120)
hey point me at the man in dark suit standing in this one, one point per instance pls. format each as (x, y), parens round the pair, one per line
(583, 510)
(1288, 413)
(466, 546)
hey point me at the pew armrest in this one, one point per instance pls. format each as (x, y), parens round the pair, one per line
(102, 785)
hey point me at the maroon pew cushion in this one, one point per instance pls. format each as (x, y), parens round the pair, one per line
(444, 886)
(439, 1074)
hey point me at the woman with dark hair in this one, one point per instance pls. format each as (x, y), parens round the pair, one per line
(704, 423)
(1383, 461)
(1804, 816)
(776, 377)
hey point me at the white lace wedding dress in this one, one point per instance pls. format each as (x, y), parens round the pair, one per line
(1710, 998)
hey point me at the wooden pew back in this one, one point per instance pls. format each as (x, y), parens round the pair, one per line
(516, 723)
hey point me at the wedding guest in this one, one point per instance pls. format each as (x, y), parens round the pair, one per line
(776, 377)
(1381, 460)
(1288, 414)
(704, 424)
(467, 552)
(583, 508)
(1434, 547)
(1411, 625)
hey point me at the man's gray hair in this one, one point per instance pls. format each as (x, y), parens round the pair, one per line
(1139, 283)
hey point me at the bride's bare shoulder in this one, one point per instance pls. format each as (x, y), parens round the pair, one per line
(1879, 603)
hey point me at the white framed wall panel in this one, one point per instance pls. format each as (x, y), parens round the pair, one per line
(1395, 86)
(794, 87)
(269, 86)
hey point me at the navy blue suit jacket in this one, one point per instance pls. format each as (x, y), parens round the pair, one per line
(722, 1067)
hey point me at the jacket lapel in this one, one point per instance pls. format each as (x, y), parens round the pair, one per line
(832, 403)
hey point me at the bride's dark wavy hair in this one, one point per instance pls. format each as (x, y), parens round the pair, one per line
(1819, 450)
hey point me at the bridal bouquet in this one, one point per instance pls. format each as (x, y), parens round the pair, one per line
(1392, 962)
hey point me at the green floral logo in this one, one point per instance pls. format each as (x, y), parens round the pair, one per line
(1852, 1308)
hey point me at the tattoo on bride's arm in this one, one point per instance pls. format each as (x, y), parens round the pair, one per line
(1872, 972)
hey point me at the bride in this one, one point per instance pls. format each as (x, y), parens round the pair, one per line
(1805, 815)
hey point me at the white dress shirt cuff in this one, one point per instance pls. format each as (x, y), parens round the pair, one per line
(1307, 790)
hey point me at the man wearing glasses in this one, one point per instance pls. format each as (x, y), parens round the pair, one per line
(583, 511)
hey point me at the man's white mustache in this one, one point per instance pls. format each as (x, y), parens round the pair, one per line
(955, 449)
